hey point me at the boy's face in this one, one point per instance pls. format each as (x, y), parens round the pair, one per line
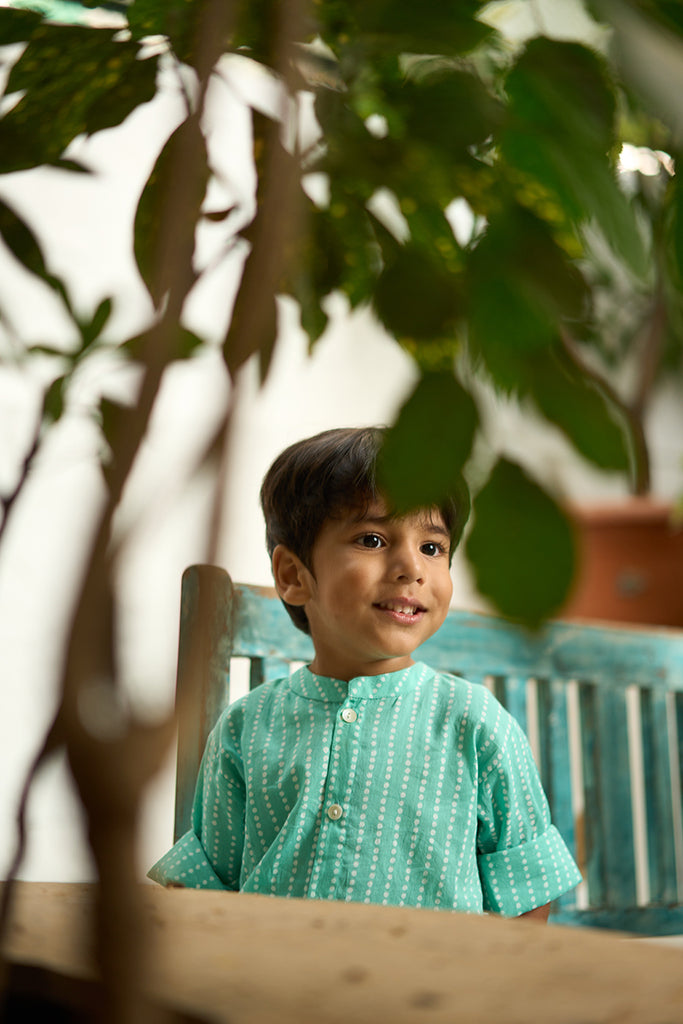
(380, 587)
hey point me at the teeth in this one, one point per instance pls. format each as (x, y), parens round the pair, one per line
(401, 608)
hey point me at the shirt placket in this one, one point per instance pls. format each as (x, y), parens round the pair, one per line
(328, 880)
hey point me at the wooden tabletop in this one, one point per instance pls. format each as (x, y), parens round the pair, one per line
(256, 960)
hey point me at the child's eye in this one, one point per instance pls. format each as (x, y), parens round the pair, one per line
(433, 548)
(370, 540)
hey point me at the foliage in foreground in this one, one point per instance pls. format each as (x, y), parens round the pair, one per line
(421, 105)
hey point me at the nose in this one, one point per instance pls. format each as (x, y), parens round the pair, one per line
(407, 564)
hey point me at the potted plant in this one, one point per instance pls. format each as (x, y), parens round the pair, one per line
(631, 550)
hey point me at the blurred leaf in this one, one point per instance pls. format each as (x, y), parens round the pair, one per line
(183, 344)
(354, 253)
(75, 166)
(521, 288)
(177, 20)
(420, 464)
(24, 246)
(314, 319)
(430, 228)
(49, 350)
(673, 226)
(218, 216)
(646, 51)
(17, 26)
(450, 109)
(416, 296)
(521, 547)
(552, 78)
(189, 343)
(91, 330)
(110, 415)
(559, 134)
(404, 26)
(169, 206)
(355, 160)
(577, 403)
(256, 27)
(21, 241)
(667, 13)
(275, 234)
(259, 26)
(240, 343)
(317, 264)
(76, 80)
(53, 402)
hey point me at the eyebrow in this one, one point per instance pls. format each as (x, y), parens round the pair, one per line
(425, 523)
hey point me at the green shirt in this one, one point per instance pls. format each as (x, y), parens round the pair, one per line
(413, 788)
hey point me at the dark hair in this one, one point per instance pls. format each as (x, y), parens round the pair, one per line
(322, 477)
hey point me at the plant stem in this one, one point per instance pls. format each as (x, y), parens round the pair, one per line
(648, 366)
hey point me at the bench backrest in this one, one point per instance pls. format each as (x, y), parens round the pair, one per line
(603, 709)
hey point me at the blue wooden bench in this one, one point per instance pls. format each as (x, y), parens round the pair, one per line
(603, 708)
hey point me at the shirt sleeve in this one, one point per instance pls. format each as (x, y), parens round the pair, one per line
(523, 861)
(209, 855)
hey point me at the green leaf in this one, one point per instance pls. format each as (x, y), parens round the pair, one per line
(74, 166)
(175, 19)
(110, 416)
(23, 244)
(91, 330)
(314, 320)
(183, 344)
(558, 138)
(156, 219)
(189, 343)
(17, 26)
(21, 241)
(54, 399)
(521, 288)
(253, 328)
(451, 110)
(76, 80)
(577, 403)
(521, 547)
(218, 216)
(258, 29)
(553, 78)
(317, 265)
(178, 20)
(417, 296)
(404, 26)
(420, 464)
(355, 161)
(49, 350)
(673, 221)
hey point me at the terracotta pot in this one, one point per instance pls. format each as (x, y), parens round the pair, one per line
(631, 564)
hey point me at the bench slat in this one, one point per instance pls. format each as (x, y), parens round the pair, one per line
(658, 797)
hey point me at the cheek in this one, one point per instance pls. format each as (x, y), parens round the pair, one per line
(446, 589)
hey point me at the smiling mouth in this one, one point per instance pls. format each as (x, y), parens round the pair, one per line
(400, 608)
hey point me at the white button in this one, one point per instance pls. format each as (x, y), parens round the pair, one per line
(334, 812)
(349, 715)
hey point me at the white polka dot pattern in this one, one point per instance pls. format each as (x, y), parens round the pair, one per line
(413, 788)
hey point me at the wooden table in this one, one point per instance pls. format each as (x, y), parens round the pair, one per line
(255, 960)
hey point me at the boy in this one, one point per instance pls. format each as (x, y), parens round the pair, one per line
(366, 776)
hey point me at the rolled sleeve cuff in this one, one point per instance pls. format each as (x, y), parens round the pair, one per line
(520, 879)
(186, 864)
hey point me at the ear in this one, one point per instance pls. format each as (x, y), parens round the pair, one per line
(292, 578)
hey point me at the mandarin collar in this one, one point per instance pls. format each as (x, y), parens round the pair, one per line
(387, 684)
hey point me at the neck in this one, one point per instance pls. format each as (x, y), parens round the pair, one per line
(337, 669)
